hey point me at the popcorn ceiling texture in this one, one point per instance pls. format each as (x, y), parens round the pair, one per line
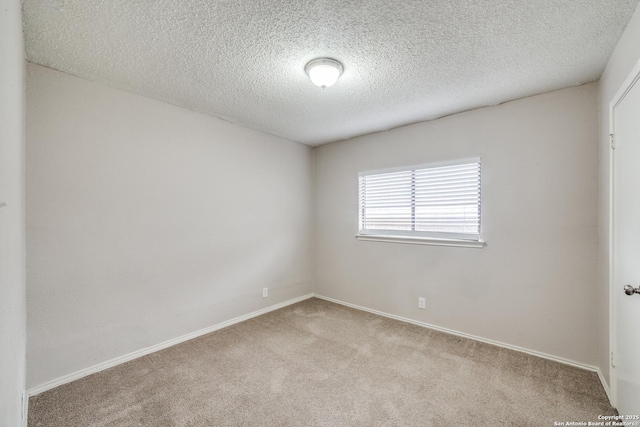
(405, 61)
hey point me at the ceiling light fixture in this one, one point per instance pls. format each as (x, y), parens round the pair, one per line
(324, 72)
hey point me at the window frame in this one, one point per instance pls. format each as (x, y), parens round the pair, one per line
(422, 237)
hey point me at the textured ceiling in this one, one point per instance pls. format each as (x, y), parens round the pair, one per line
(405, 61)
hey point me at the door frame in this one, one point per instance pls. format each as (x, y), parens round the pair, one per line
(632, 78)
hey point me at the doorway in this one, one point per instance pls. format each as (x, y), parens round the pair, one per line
(624, 122)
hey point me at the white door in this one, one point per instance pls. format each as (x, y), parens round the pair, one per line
(626, 248)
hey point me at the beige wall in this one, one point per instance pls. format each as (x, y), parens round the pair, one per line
(534, 283)
(12, 280)
(622, 61)
(146, 222)
(112, 264)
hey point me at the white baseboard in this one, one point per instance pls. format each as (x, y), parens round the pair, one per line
(134, 355)
(477, 338)
(139, 353)
(605, 386)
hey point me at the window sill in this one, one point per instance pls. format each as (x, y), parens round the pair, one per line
(421, 241)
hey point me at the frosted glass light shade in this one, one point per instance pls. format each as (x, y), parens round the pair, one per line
(324, 72)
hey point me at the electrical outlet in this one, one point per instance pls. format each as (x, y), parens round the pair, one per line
(265, 292)
(422, 303)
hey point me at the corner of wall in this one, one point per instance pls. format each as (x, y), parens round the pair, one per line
(314, 214)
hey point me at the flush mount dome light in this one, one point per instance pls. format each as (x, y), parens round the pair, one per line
(323, 72)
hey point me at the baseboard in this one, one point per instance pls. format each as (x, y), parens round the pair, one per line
(605, 386)
(136, 354)
(474, 337)
(139, 353)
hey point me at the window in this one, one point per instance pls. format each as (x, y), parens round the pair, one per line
(434, 202)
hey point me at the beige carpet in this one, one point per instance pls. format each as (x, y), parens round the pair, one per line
(317, 363)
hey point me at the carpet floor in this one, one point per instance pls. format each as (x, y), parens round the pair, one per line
(317, 363)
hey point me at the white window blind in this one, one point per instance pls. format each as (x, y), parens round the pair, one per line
(434, 201)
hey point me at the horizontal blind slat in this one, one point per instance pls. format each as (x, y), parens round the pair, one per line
(415, 201)
(420, 182)
(439, 190)
(423, 171)
(422, 177)
(423, 184)
(422, 193)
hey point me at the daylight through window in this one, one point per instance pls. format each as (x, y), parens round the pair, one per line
(433, 201)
